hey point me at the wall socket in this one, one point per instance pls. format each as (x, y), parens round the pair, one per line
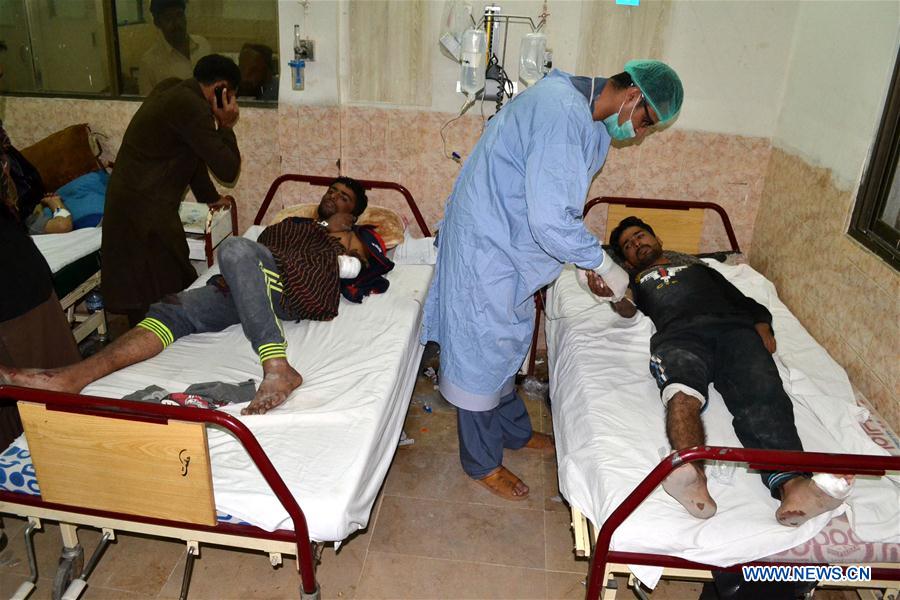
(305, 50)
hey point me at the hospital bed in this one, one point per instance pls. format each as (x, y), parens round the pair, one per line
(74, 260)
(610, 437)
(306, 473)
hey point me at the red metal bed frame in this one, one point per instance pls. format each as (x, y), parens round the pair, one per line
(327, 181)
(153, 413)
(756, 459)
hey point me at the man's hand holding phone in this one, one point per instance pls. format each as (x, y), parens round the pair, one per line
(225, 107)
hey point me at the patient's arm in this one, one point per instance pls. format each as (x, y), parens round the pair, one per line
(768, 337)
(61, 223)
(625, 307)
(353, 246)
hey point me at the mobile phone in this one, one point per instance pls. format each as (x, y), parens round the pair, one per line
(220, 92)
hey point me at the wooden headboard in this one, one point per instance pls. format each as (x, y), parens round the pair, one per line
(679, 223)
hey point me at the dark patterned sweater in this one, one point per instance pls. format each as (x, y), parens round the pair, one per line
(307, 258)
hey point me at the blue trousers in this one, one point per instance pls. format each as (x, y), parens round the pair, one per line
(483, 435)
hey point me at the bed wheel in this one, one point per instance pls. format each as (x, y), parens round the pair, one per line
(70, 564)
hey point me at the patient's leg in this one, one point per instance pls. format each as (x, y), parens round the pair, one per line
(254, 284)
(192, 311)
(136, 345)
(687, 483)
(763, 414)
(279, 380)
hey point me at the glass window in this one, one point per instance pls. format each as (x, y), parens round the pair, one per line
(57, 46)
(173, 35)
(876, 217)
(125, 47)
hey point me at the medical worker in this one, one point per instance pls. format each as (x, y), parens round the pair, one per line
(511, 222)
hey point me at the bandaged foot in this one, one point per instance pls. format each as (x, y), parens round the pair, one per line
(279, 380)
(687, 484)
(348, 266)
(42, 379)
(802, 499)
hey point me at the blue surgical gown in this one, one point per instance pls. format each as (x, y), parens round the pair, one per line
(513, 219)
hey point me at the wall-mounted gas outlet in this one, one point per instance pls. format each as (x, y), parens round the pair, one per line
(305, 50)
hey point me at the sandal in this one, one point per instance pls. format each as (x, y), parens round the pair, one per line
(540, 441)
(502, 482)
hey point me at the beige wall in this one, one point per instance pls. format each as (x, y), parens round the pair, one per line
(728, 53)
(405, 146)
(839, 69)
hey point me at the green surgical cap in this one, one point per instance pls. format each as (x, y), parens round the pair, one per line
(660, 85)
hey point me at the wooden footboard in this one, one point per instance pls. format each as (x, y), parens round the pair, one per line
(142, 467)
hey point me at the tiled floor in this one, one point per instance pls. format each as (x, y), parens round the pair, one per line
(433, 534)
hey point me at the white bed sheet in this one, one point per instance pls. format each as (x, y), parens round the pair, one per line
(334, 438)
(609, 426)
(61, 249)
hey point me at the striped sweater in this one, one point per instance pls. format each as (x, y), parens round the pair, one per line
(307, 258)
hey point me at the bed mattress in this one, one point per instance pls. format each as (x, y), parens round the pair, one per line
(63, 249)
(609, 426)
(334, 438)
(73, 257)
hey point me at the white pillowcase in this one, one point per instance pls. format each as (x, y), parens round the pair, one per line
(415, 251)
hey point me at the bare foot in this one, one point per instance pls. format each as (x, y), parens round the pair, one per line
(801, 500)
(279, 380)
(687, 484)
(502, 482)
(42, 379)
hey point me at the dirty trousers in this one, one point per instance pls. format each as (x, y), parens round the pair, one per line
(729, 353)
(247, 292)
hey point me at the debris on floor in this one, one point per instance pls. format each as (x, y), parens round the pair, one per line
(532, 385)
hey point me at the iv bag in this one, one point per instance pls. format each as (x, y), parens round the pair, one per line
(471, 67)
(531, 57)
(456, 19)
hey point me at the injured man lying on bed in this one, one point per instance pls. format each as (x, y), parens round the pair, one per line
(297, 270)
(709, 332)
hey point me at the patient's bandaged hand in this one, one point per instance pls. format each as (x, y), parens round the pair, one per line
(349, 266)
(614, 277)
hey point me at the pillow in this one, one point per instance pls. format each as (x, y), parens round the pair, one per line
(387, 223)
(63, 156)
(415, 251)
(84, 197)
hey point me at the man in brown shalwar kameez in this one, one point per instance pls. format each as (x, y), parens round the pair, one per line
(176, 137)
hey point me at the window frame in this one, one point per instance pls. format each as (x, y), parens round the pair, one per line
(865, 226)
(113, 62)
